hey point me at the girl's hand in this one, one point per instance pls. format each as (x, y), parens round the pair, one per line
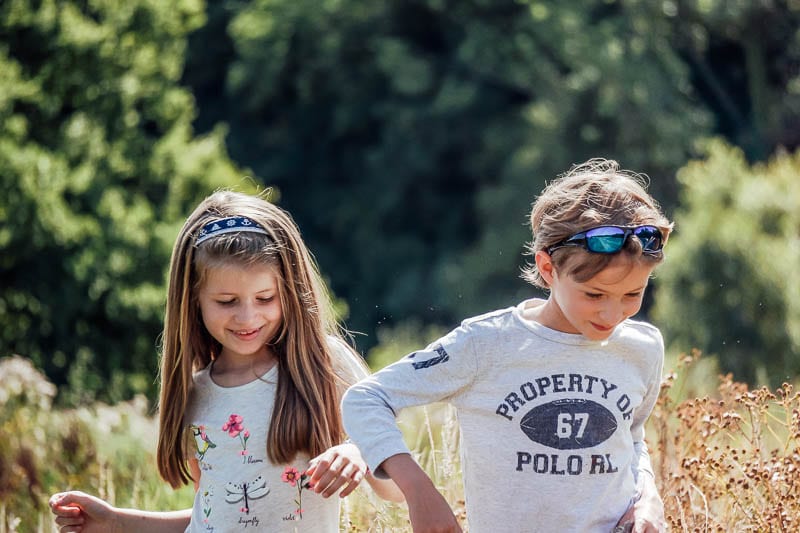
(337, 467)
(79, 512)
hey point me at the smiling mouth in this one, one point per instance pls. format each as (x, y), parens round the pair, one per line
(602, 328)
(246, 332)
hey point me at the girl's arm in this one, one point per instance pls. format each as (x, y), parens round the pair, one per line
(80, 512)
(342, 467)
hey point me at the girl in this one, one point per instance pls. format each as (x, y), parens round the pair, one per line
(252, 370)
(552, 395)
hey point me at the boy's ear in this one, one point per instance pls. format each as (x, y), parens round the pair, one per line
(544, 264)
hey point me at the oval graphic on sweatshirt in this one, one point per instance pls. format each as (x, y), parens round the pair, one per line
(569, 424)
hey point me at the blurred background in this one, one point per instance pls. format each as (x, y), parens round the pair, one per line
(408, 138)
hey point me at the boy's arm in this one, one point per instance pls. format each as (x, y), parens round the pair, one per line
(646, 515)
(436, 373)
(386, 489)
(369, 408)
(427, 508)
(648, 510)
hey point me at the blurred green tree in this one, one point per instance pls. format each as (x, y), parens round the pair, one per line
(729, 286)
(744, 59)
(99, 166)
(409, 138)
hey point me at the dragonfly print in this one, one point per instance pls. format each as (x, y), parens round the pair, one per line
(246, 492)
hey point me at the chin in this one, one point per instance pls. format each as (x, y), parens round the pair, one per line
(597, 335)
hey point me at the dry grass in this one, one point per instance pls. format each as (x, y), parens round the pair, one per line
(726, 458)
(728, 461)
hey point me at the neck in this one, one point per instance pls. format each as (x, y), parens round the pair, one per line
(229, 370)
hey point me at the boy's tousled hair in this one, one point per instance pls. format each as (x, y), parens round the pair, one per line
(305, 417)
(594, 193)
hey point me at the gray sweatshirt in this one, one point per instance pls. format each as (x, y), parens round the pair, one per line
(552, 424)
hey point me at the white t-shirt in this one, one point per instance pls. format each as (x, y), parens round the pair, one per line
(240, 489)
(552, 424)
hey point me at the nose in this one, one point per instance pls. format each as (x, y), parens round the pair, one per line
(612, 314)
(244, 314)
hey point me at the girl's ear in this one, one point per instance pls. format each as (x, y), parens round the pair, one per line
(544, 264)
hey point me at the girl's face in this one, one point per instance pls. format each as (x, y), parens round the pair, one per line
(241, 309)
(595, 307)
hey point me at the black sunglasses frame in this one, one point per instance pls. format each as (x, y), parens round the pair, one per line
(583, 239)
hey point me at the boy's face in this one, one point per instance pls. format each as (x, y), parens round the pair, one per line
(595, 307)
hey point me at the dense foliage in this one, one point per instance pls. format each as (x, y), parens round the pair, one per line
(98, 166)
(411, 137)
(408, 139)
(729, 286)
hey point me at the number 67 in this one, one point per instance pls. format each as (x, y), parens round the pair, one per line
(571, 425)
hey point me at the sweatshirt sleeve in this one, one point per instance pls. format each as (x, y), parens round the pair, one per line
(370, 407)
(642, 460)
(646, 408)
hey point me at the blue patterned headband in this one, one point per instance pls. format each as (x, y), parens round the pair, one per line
(228, 225)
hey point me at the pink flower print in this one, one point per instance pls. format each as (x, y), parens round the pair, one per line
(295, 478)
(291, 476)
(234, 426)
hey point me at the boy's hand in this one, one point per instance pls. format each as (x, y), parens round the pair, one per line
(79, 512)
(646, 515)
(337, 467)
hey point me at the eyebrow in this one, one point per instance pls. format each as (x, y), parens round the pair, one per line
(226, 293)
(597, 289)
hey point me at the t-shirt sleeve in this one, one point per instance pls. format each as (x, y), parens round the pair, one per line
(436, 373)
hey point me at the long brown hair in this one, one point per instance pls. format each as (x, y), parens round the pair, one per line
(305, 417)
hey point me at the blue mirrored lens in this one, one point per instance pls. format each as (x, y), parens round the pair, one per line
(650, 237)
(605, 240)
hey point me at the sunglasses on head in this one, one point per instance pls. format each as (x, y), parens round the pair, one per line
(611, 239)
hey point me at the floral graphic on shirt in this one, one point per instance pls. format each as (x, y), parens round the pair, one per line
(235, 428)
(246, 492)
(201, 440)
(206, 500)
(298, 479)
